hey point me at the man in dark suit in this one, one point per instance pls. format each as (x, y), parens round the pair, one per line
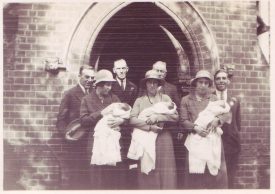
(171, 90)
(123, 87)
(127, 93)
(230, 137)
(75, 164)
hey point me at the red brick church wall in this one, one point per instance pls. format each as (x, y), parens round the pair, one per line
(34, 32)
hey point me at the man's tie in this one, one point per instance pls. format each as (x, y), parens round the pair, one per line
(122, 85)
(86, 91)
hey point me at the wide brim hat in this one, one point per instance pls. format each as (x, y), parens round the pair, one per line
(104, 75)
(75, 131)
(151, 74)
(202, 74)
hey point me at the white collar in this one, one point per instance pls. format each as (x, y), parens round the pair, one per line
(82, 88)
(218, 93)
(119, 81)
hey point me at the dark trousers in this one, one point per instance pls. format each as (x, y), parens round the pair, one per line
(107, 177)
(75, 166)
(231, 165)
(180, 154)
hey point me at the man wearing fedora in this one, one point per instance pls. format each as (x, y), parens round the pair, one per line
(171, 90)
(69, 112)
(127, 93)
(231, 136)
(92, 106)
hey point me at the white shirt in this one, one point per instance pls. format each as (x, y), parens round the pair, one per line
(120, 82)
(82, 88)
(218, 93)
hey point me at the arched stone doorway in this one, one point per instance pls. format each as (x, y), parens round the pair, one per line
(134, 33)
(104, 28)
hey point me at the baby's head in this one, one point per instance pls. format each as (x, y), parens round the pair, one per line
(124, 106)
(119, 108)
(171, 105)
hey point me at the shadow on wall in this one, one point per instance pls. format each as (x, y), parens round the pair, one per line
(28, 167)
(34, 151)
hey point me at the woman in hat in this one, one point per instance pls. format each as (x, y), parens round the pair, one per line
(164, 174)
(91, 111)
(190, 107)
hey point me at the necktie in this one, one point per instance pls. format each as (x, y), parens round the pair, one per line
(86, 91)
(122, 85)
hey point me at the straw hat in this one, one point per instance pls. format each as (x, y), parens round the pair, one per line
(151, 74)
(104, 75)
(202, 74)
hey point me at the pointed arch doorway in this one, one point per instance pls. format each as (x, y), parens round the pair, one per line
(131, 30)
(134, 33)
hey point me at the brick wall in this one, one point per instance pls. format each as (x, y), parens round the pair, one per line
(32, 96)
(33, 32)
(234, 27)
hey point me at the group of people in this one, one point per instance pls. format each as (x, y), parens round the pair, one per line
(129, 144)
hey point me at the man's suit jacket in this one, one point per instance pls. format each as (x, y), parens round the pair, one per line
(231, 136)
(128, 95)
(69, 109)
(172, 92)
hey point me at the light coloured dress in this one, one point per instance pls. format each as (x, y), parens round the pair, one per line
(164, 174)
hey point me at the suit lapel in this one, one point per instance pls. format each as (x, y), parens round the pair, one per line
(78, 93)
(128, 86)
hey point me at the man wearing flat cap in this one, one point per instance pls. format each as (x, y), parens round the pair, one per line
(69, 111)
(92, 107)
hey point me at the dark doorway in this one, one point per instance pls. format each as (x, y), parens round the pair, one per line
(135, 35)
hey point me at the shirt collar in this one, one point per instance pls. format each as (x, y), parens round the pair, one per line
(218, 93)
(119, 80)
(82, 88)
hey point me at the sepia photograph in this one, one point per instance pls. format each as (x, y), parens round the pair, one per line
(136, 95)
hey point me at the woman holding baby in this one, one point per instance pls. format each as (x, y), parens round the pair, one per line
(163, 175)
(191, 106)
(93, 107)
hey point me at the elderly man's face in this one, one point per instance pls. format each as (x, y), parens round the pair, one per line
(120, 69)
(161, 70)
(202, 86)
(221, 81)
(86, 78)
